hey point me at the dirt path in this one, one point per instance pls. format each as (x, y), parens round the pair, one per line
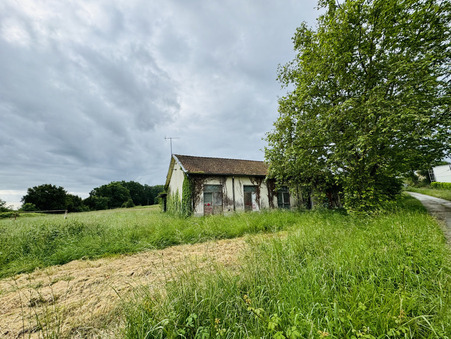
(439, 208)
(79, 298)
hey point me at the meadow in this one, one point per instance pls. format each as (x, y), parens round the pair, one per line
(45, 240)
(327, 274)
(333, 275)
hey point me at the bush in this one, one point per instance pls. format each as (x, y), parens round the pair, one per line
(441, 185)
(128, 204)
(5, 215)
(29, 207)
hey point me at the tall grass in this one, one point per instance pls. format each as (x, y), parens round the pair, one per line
(334, 276)
(28, 243)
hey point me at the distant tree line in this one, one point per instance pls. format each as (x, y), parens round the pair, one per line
(116, 194)
(3, 207)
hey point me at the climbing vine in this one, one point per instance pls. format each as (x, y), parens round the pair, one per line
(186, 206)
(174, 203)
(181, 206)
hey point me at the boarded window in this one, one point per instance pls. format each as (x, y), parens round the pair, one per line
(283, 197)
(212, 199)
(250, 198)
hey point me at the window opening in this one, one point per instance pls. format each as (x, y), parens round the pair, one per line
(283, 197)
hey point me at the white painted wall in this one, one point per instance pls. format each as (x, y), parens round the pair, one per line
(176, 182)
(442, 173)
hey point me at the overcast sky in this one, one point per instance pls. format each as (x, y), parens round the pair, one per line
(90, 89)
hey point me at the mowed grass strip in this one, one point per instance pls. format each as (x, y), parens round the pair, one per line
(333, 276)
(438, 193)
(28, 243)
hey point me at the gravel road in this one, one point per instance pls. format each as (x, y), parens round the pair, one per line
(440, 208)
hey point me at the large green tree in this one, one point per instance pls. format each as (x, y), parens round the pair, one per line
(121, 193)
(368, 100)
(46, 197)
(112, 195)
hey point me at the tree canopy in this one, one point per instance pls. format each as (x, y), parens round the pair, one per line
(3, 207)
(369, 98)
(122, 194)
(46, 197)
(113, 195)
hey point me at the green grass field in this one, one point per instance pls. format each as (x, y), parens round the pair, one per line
(438, 193)
(329, 275)
(333, 276)
(31, 242)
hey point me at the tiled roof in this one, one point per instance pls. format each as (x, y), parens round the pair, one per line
(222, 166)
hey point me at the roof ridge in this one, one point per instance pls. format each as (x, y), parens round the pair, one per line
(203, 157)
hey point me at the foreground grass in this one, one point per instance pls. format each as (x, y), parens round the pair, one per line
(333, 276)
(41, 241)
(438, 193)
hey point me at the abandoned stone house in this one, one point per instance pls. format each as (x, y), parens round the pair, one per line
(205, 186)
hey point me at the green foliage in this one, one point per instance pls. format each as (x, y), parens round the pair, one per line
(114, 194)
(3, 207)
(333, 275)
(7, 215)
(75, 203)
(96, 203)
(46, 197)
(117, 193)
(371, 99)
(174, 204)
(441, 185)
(181, 204)
(187, 198)
(29, 207)
(128, 204)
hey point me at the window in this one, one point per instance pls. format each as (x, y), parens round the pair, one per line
(283, 197)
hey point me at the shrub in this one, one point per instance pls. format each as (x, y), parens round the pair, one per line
(128, 204)
(29, 207)
(441, 185)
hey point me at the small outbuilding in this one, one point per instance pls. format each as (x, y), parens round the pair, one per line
(441, 173)
(206, 186)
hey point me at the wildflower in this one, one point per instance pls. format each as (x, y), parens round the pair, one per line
(247, 300)
(323, 334)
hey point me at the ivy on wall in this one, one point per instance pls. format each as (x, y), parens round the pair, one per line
(181, 206)
(173, 203)
(186, 198)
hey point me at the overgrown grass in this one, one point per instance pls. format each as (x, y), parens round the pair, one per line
(28, 243)
(438, 193)
(337, 276)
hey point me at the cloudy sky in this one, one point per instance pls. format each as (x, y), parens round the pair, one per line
(90, 89)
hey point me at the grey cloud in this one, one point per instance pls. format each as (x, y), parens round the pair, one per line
(89, 90)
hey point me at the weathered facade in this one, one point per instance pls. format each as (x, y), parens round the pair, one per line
(206, 186)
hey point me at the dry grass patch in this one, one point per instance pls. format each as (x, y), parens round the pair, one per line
(81, 298)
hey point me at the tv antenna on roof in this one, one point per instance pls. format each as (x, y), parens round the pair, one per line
(170, 141)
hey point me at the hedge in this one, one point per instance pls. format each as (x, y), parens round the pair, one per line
(441, 185)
